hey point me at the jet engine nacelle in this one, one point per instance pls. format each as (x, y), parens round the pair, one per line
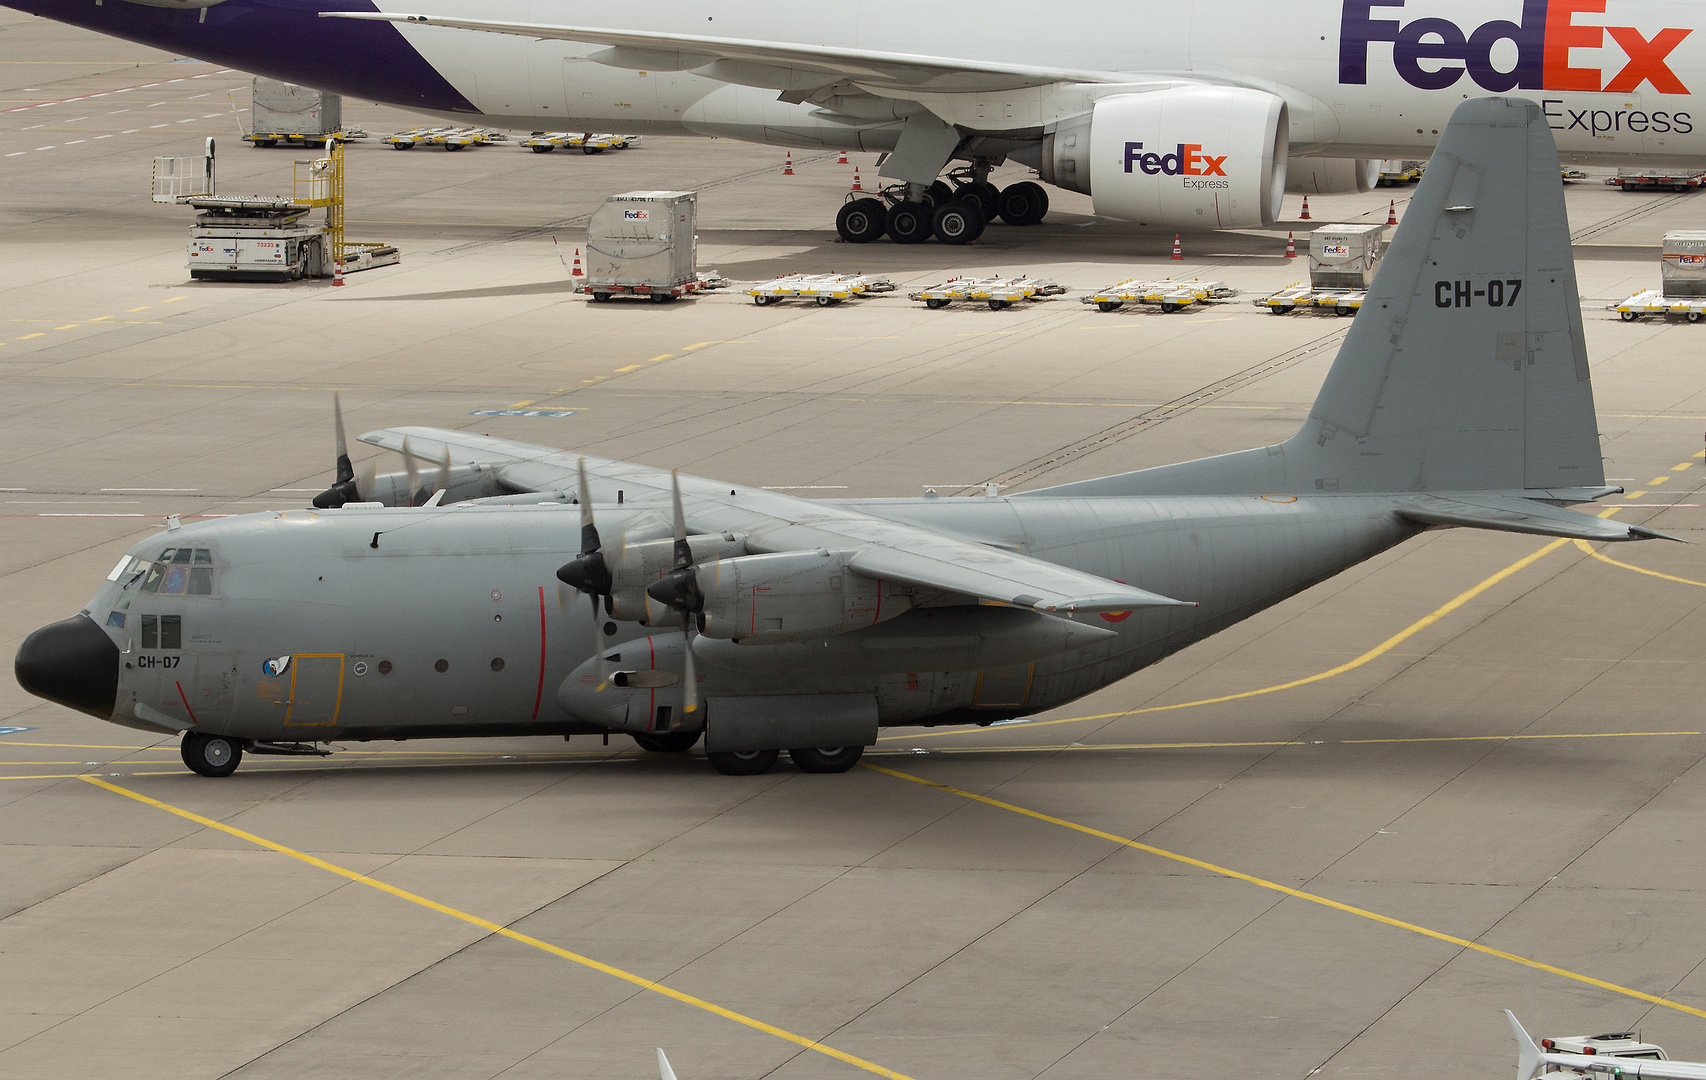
(1331, 176)
(792, 596)
(1195, 157)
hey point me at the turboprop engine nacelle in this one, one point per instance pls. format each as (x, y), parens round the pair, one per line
(644, 563)
(1195, 157)
(792, 596)
(1331, 176)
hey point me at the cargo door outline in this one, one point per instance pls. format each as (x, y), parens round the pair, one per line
(315, 684)
(1003, 687)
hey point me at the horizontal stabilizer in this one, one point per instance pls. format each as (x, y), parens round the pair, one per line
(1508, 513)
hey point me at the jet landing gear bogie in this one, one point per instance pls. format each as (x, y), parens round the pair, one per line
(211, 755)
(953, 215)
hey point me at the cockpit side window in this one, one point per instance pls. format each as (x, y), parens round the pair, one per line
(162, 631)
(180, 572)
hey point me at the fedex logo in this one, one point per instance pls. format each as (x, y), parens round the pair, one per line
(1335, 249)
(1185, 161)
(635, 215)
(1433, 53)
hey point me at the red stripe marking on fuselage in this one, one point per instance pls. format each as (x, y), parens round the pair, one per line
(186, 702)
(539, 694)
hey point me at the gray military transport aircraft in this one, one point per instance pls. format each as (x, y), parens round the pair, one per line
(760, 622)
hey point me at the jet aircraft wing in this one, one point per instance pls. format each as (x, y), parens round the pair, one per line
(773, 521)
(774, 64)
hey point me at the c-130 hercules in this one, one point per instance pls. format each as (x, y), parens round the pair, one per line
(574, 594)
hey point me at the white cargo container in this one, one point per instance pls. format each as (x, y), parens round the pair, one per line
(643, 243)
(250, 238)
(1345, 256)
(287, 113)
(1682, 263)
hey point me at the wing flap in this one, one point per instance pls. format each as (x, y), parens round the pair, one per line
(1002, 577)
(1511, 514)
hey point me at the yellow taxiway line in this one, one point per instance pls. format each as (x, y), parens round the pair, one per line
(1299, 894)
(503, 931)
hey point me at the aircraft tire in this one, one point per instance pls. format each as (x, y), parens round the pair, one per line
(909, 223)
(938, 194)
(1023, 203)
(829, 759)
(862, 220)
(958, 222)
(669, 742)
(743, 762)
(986, 195)
(211, 755)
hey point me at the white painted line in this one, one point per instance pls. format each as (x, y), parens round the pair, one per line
(156, 125)
(191, 120)
(45, 147)
(271, 489)
(74, 119)
(14, 489)
(149, 489)
(192, 97)
(74, 142)
(103, 136)
(132, 131)
(211, 115)
(115, 112)
(15, 153)
(33, 127)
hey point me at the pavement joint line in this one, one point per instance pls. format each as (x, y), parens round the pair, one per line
(1298, 894)
(504, 931)
(1350, 665)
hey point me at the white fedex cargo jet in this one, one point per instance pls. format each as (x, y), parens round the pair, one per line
(1182, 114)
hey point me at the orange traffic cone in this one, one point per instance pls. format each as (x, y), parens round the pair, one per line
(337, 272)
(842, 160)
(1392, 212)
(1290, 247)
(1305, 215)
(1178, 252)
(577, 271)
(788, 167)
(856, 186)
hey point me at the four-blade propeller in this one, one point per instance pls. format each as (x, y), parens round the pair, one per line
(679, 590)
(592, 572)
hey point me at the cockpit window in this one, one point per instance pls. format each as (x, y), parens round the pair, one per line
(162, 632)
(118, 571)
(180, 572)
(151, 583)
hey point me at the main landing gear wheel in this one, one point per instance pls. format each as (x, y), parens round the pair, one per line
(957, 223)
(938, 194)
(211, 755)
(827, 759)
(668, 742)
(862, 220)
(743, 762)
(986, 195)
(909, 223)
(1023, 203)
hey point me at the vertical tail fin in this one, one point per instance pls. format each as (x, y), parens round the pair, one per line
(1465, 370)
(1527, 1054)
(664, 1071)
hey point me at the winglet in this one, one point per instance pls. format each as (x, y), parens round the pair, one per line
(1527, 1054)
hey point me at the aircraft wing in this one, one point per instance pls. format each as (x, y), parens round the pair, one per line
(773, 521)
(766, 63)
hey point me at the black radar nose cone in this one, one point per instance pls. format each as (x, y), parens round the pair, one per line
(71, 662)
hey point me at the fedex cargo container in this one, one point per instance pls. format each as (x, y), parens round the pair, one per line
(643, 243)
(1345, 256)
(1682, 263)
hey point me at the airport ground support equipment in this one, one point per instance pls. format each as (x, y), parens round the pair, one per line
(997, 291)
(1682, 280)
(826, 289)
(543, 142)
(1342, 261)
(1657, 179)
(1393, 173)
(1170, 295)
(285, 114)
(450, 138)
(643, 243)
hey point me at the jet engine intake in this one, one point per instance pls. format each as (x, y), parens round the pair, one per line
(1194, 157)
(792, 596)
(1331, 176)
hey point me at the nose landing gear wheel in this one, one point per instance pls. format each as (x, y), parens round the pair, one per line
(211, 755)
(668, 742)
(861, 221)
(909, 223)
(743, 762)
(827, 759)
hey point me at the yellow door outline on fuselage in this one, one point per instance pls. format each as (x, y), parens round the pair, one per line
(337, 701)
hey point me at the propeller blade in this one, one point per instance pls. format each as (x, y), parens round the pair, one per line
(589, 531)
(345, 472)
(412, 472)
(598, 642)
(683, 553)
(364, 481)
(444, 472)
(690, 685)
